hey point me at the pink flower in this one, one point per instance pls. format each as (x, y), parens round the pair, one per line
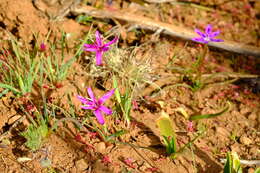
(97, 105)
(43, 47)
(190, 127)
(208, 36)
(130, 162)
(106, 160)
(99, 47)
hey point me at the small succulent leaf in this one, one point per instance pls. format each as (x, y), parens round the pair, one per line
(165, 125)
(236, 163)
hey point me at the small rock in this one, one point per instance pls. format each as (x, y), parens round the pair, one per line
(244, 109)
(222, 132)
(101, 147)
(99, 167)
(81, 165)
(251, 170)
(144, 167)
(235, 148)
(245, 140)
(252, 116)
(254, 151)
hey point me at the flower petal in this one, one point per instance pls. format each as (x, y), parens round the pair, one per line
(91, 94)
(106, 96)
(98, 39)
(90, 47)
(208, 29)
(200, 40)
(104, 49)
(216, 40)
(99, 117)
(214, 34)
(88, 107)
(85, 101)
(105, 110)
(82, 99)
(111, 42)
(99, 58)
(200, 33)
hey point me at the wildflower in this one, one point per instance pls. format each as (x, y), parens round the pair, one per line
(99, 47)
(42, 47)
(190, 127)
(106, 160)
(207, 36)
(93, 135)
(29, 107)
(130, 162)
(97, 105)
(135, 105)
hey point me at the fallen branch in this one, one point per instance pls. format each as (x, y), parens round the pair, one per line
(169, 29)
(245, 162)
(175, 79)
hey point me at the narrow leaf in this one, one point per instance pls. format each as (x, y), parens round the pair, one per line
(117, 93)
(228, 164)
(9, 87)
(198, 117)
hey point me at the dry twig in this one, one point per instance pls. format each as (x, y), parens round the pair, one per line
(169, 29)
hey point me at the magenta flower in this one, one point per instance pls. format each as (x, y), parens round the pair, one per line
(43, 47)
(97, 105)
(207, 36)
(99, 47)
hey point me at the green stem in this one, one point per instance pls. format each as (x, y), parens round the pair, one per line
(202, 57)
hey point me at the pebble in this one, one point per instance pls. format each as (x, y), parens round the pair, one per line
(252, 116)
(222, 132)
(245, 140)
(81, 165)
(251, 170)
(235, 148)
(101, 147)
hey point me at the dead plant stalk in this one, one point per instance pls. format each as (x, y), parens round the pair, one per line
(169, 29)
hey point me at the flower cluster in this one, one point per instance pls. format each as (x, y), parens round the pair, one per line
(99, 47)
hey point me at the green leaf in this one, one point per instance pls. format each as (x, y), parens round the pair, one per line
(117, 93)
(228, 164)
(116, 134)
(165, 125)
(236, 163)
(65, 67)
(173, 145)
(198, 117)
(233, 163)
(21, 84)
(84, 19)
(257, 170)
(4, 92)
(9, 87)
